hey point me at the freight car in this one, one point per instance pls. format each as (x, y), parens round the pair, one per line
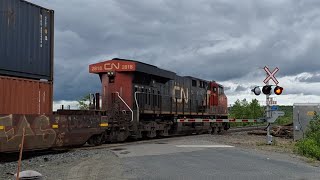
(50, 131)
(142, 100)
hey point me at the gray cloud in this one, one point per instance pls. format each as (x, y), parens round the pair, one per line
(214, 40)
(241, 88)
(315, 78)
(227, 88)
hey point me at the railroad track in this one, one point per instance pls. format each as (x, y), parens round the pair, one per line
(159, 140)
(246, 128)
(10, 157)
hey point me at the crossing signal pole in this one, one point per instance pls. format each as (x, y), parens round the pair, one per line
(268, 92)
(270, 115)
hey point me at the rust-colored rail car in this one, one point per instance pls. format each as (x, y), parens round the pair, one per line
(25, 96)
(53, 131)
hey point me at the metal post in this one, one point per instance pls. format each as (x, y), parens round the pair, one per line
(269, 137)
(20, 155)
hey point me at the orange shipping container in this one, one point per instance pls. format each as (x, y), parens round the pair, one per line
(25, 96)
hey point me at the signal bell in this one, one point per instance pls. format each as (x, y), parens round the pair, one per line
(266, 89)
(278, 90)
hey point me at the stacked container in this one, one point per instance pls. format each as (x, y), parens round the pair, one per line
(26, 58)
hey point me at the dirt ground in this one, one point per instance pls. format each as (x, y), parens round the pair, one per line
(258, 142)
(66, 165)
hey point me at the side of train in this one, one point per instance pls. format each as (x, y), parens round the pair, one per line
(137, 100)
(144, 100)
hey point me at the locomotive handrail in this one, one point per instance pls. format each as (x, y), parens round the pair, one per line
(135, 99)
(126, 105)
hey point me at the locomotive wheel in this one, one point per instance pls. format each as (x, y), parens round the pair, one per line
(219, 130)
(213, 131)
(122, 136)
(152, 133)
(95, 140)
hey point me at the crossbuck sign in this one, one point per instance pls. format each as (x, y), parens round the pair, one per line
(271, 75)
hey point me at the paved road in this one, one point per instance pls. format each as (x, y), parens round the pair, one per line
(207, 160)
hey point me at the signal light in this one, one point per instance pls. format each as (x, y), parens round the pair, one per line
(278, 90)
(266, 89)
(256, 91)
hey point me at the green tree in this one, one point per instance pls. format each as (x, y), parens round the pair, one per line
(256, 111)
(243, 109)
(236, 109)
(288, 115)
(83, 103)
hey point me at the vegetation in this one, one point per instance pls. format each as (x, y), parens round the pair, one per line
(245, 110)
(83, 103)
(310, 146)
(287, 118)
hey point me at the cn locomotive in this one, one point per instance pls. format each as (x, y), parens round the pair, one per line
(137, 100)
(143, 100)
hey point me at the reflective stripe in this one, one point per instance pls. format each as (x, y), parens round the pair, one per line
(1, 127)
(55, 126)
(104, 125)
(217, 120)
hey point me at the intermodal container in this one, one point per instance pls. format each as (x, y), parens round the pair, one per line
(25, 96)
(26, 40)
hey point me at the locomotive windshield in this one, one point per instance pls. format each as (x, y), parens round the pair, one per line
(221, 91)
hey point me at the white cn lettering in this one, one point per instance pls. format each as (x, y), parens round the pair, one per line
(110, 66)
(183, 94)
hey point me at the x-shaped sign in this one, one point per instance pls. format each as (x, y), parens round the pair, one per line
(271, 75)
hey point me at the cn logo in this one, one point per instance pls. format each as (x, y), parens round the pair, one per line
(184, 94)
(110, 66)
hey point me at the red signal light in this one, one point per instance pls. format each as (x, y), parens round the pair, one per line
(278, 90)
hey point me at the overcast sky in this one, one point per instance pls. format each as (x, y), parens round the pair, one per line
(228, 41)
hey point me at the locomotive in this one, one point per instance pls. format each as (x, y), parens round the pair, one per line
(143, 100)
(137, 100)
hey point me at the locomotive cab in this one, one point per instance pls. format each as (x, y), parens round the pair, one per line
(218, 99)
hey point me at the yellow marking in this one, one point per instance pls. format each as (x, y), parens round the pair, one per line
(1, 127)
(55, 126)
(310, 113)
(104, 124)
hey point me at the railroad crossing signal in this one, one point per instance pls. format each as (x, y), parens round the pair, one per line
(273, 114)
(271, 75)
(266, 89)
(278, 90)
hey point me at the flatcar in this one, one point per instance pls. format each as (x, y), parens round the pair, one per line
(50, 131)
